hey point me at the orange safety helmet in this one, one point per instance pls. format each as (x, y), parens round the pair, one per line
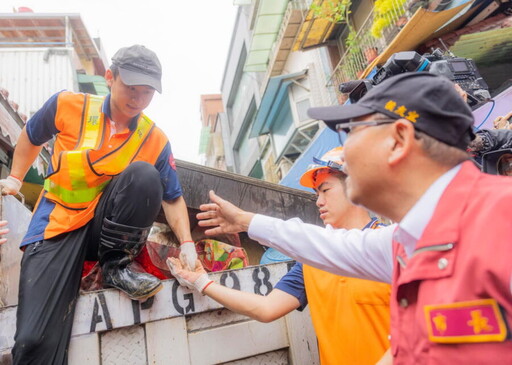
(331, 161)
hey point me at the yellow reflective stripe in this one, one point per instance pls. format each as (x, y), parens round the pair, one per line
(92, 123)
(76, 165)
(76, 169)
(132, 146)
(119, 160)
(74, 196)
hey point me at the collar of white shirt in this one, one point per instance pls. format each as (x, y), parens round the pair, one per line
(411, 227)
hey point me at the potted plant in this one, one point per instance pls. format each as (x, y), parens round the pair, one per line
(370, 53)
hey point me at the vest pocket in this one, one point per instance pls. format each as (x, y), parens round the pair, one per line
(429, 263)
(369, 292)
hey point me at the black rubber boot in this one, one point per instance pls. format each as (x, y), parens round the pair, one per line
(119, 245)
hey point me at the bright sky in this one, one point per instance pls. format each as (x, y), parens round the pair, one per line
(191, 39)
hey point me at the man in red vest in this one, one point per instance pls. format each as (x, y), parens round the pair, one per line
(449, 257)
(111, 170)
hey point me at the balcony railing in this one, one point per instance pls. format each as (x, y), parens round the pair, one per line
(366, 47)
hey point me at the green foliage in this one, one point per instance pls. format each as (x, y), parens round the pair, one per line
(352, 42)
(334, 11)
(338, 12)
(385, 13)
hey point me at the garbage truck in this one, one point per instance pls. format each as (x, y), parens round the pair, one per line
(178, 326)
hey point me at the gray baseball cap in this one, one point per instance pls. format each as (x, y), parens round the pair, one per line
(139, 65)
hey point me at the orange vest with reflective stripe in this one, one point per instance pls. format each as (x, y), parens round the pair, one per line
(78, 179)
(86, 139)
(351, 317)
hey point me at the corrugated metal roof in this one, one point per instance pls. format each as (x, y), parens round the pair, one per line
(49, 30)
(268, 23)
(32, 75)
(486, 48)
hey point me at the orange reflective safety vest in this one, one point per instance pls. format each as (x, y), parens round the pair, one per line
(86, 157)
(78, 180)
(352, 321)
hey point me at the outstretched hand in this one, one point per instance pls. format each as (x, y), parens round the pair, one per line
(503, 122)
(224, 216)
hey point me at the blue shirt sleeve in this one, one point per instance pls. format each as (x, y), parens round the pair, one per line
(41, 127)
(166, 166)
(293, 284)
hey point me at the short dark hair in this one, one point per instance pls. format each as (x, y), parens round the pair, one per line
(115, 70)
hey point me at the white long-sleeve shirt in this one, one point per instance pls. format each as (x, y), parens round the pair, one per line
(364, 254)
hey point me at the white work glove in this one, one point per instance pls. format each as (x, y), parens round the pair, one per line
(11, 185)
(188, 254)
(194, 280)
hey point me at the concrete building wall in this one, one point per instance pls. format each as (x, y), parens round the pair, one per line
(240, 94)
(211, 105)
(316, 81)
(222, 121)
(317, 77)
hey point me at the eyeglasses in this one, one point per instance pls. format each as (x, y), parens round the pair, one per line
(347, 127)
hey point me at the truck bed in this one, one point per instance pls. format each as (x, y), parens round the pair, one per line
(178, 326)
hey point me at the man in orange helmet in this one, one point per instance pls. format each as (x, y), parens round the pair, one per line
(350, 316)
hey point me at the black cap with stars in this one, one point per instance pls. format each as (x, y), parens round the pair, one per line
(429, 101)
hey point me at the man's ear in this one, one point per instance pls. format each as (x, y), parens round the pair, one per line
(402, 135)
(109, 77)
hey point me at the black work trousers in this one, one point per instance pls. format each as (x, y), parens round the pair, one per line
(51, 269)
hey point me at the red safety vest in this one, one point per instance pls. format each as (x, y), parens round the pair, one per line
(451, 300)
